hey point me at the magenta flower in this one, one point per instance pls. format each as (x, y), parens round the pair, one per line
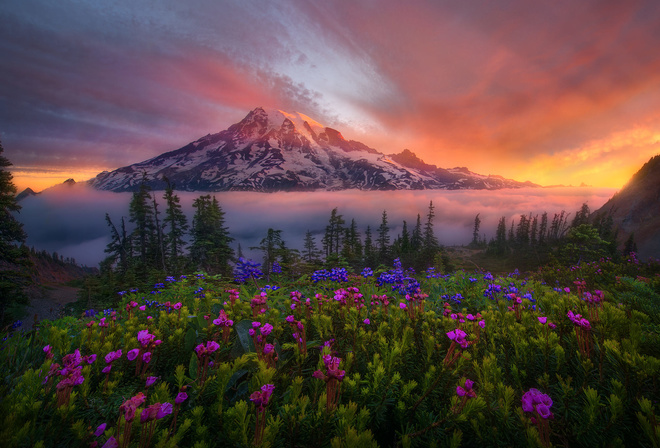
(100, 429)
(290, 319)
(212, 346)
(177, 306)
(146, 357)
(91, 359)
(402, 306)
(466, 390)
(144, 337)
(266, 329)
(457, 335)
(165, 409)
(132, 354)
(151, 380)
(107, 368)
(482, 323)
(180, 398)
(111, 443)
(269, 348)
(143, 307)
(543, 320)
(534, 400)
(367, 321)
(543, 410)
(551, 325)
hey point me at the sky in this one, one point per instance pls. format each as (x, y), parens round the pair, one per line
(556, 92)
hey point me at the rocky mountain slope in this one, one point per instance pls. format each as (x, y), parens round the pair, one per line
(636, 209)
(272, 150)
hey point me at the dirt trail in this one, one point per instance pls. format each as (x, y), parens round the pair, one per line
(49, 306)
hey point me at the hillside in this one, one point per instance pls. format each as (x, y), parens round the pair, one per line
(636, 209)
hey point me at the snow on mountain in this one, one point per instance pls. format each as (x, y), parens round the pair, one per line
(272, 150)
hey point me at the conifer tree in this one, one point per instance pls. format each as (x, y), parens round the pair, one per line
(141, 215)
(369, 251)
(11, 235)
(119, 248)
(176, 224)
(210, 248)
(11, 230)
(431, 245)
(311, 252)
(475, 231)
(273, 248)
(333, 234)
(383, 239)
(416, 237)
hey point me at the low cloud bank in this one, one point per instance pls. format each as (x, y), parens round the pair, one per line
(71, 219)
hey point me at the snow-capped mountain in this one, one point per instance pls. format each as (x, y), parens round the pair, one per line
(272, 150)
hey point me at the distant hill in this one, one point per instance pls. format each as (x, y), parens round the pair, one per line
(25, 194)
(636, 209)
(273, 150)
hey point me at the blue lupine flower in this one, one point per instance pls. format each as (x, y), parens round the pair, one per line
(246, 269)
(277, 269)
(367, 272)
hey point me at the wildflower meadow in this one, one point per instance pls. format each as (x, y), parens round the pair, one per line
(565, 356)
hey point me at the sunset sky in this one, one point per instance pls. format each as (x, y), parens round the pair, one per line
(556, 92)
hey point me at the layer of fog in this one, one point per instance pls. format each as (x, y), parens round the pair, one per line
(71, 219)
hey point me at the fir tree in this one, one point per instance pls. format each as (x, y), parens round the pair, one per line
(144, 234)
(333, 233)
(311, 252)
(383, 239)
(369, 252)
(273, 248)
(431, 245)
(475, 230)
(416, 237)
(176, 224)
(11, 230)
(210, 248)
(11, 235)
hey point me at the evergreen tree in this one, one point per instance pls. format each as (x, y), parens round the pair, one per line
(158, 242)
(11, 235)
(119, 248)
(352, 245)
(176, 224)
(416, 237)
(311, 252)
(630, 246)
(210, 248)
(333, 234)
(534, 231)
(405, 239)
(144, 234)
(475, 230)
(273, 248)
(383, 239)
(431, 245)
(11, 230)
(369, 251)
(543, 228)
(522, 231)
(582, 216)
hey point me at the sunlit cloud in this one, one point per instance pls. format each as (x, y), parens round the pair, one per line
(506, 88)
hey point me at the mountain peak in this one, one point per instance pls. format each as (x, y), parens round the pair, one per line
(274, 150)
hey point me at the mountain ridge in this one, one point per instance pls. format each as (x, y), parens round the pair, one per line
(272, 150)
(634, 208)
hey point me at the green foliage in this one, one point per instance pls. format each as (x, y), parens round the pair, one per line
(401, 372)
